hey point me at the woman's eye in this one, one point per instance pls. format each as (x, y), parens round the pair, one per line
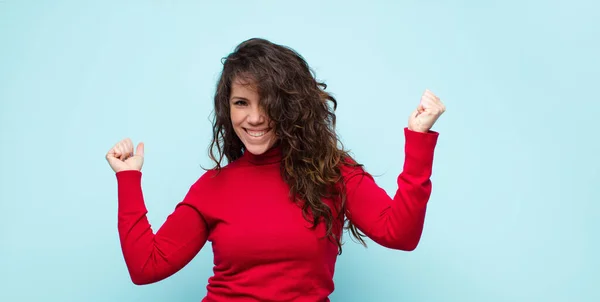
(239, 103)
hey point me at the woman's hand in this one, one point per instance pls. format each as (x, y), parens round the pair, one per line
(121, 157)
(429, 110)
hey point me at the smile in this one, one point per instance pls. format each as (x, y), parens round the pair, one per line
(257, 133)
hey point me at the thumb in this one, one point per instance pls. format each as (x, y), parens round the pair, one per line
(140, 150)
(421, 107)
(416, 112)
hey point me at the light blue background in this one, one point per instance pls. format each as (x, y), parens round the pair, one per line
(514, 211)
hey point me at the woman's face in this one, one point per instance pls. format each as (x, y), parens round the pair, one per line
(249, 120)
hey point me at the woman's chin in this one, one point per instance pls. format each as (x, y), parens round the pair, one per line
(258, 149)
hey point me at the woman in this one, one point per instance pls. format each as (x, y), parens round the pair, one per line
(275, 211)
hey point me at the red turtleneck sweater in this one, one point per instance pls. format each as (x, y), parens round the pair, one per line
(264, 249)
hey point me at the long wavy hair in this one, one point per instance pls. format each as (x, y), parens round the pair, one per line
(304, 121)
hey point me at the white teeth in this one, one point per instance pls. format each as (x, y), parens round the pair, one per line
(256, 133)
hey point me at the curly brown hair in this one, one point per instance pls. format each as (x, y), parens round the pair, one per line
(304, 124)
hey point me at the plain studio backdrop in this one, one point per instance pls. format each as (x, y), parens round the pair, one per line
(514, 210)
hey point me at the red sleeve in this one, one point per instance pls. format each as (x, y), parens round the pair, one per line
(397, 222)
(153, 257)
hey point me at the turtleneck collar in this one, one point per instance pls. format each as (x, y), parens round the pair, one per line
(271, 156)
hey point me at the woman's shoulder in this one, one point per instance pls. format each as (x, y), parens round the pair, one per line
(212, 176)
(349, 166)
(209, 182)
(217, 175)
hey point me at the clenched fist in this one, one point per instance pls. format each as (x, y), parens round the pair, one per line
(429, 110)
(121, 156)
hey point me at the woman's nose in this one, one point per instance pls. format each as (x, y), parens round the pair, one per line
(256, 116)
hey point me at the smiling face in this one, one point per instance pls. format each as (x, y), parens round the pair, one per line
(249, 121)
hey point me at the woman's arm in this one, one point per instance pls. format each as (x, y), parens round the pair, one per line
(153, 257)
(394, 222)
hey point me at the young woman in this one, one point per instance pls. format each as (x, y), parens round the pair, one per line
(275, 210)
